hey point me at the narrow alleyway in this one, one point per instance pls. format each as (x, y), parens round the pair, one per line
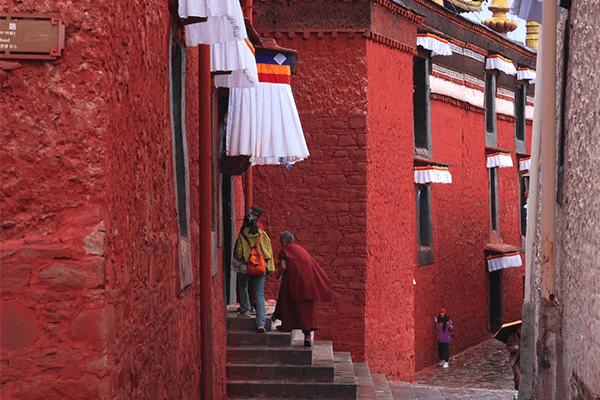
(481, 372)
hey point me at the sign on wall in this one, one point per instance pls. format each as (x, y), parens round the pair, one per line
(31, 36)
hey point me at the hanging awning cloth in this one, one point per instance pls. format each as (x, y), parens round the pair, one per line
(526, 74)
(432, 174)
(501, 261)
(225, 31)
(225, 21)
(500, 63)
(501, 160)
(263, 121)
(525, 164)
(237, 57)
(529, 10)
(437, 45)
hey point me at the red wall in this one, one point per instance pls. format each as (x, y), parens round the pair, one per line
(322, 200)
(458, 280)
(391, 214)
(91, 306)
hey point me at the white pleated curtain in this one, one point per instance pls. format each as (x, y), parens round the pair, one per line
(225, 30)
(525, 164)
(502, 261)
(263, 121)
(432, 174)
(526, 74)
(501, 160)
(500, 63)
(437, 45)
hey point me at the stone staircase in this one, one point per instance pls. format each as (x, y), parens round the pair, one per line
(277, 365)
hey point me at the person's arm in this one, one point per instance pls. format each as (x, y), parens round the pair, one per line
(450, 326)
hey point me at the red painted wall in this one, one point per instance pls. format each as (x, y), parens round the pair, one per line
(91, 306)
(322, 200)
(391, 214)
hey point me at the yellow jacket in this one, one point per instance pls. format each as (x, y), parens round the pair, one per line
(242, 249)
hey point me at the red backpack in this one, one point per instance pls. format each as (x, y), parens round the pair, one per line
(256, 262)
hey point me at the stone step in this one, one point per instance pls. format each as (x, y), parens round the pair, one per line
(290, 389)
(382, 387)
(237, 323)
(280, 372)
(269, 355)
(365, 390)
(245, 338)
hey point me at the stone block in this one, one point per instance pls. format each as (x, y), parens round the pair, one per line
(90, 326)
(19, 327)
(63, 277)
(14, 274)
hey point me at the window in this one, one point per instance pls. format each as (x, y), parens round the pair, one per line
(494, 209)
(421, 110)
(520, 103)
(180, 160)
(424, 225)
(490, 110)
(523, 197)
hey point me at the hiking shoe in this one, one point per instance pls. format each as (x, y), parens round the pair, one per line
(307, 343)
(445, 365)
(261, 329)
(245, 315)
(441, 363)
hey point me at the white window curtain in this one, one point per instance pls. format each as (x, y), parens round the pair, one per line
(502, 261)
(437, 45)
(432, 174)
(501, 160)
(500, 63)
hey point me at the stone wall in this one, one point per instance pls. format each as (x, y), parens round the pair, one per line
(91, 303)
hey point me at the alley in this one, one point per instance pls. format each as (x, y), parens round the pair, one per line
(481, 372)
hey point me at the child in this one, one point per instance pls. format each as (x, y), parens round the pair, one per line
(444, 327)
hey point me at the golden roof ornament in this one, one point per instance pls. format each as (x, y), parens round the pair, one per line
(498, 22)
(532, 34)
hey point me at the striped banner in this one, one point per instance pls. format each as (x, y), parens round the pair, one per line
(273, 67)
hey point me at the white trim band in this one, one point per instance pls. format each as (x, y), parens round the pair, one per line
(432, 174)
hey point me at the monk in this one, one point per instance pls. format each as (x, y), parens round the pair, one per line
(302, 283)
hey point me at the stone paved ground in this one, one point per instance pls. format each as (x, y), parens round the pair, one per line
(481, 372)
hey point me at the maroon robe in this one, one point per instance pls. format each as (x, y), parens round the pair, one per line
(303, 283)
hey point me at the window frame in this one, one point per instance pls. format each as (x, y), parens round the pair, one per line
(424, 239)
(521, 124)
(422, 107)
(177, 75)
(494, 202)
(491, 136)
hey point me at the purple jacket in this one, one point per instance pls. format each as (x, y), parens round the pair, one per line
(444, 337)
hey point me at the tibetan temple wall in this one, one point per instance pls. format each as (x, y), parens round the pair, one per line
(353, 202)
(92, 300)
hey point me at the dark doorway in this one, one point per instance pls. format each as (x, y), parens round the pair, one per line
(495, 286)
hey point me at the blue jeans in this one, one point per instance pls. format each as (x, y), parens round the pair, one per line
(259, 290)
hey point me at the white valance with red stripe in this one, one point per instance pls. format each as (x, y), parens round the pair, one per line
(525, 164)
(526, 74)
(501, 160)
(501, 261)
(500, 63)
(437, 45)
(263, 121)
(432, 174)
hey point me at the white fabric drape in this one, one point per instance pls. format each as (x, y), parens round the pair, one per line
(263, 123)
(500, 63)
(526, 74)
(432, 174)
(437, 45)
(529, 10)
(237, 57)
(504, 261)
(225, 21)
(501, 160)
(525, 164)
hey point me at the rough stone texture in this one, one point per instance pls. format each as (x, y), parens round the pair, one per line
(577, 226)
(91, 306)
